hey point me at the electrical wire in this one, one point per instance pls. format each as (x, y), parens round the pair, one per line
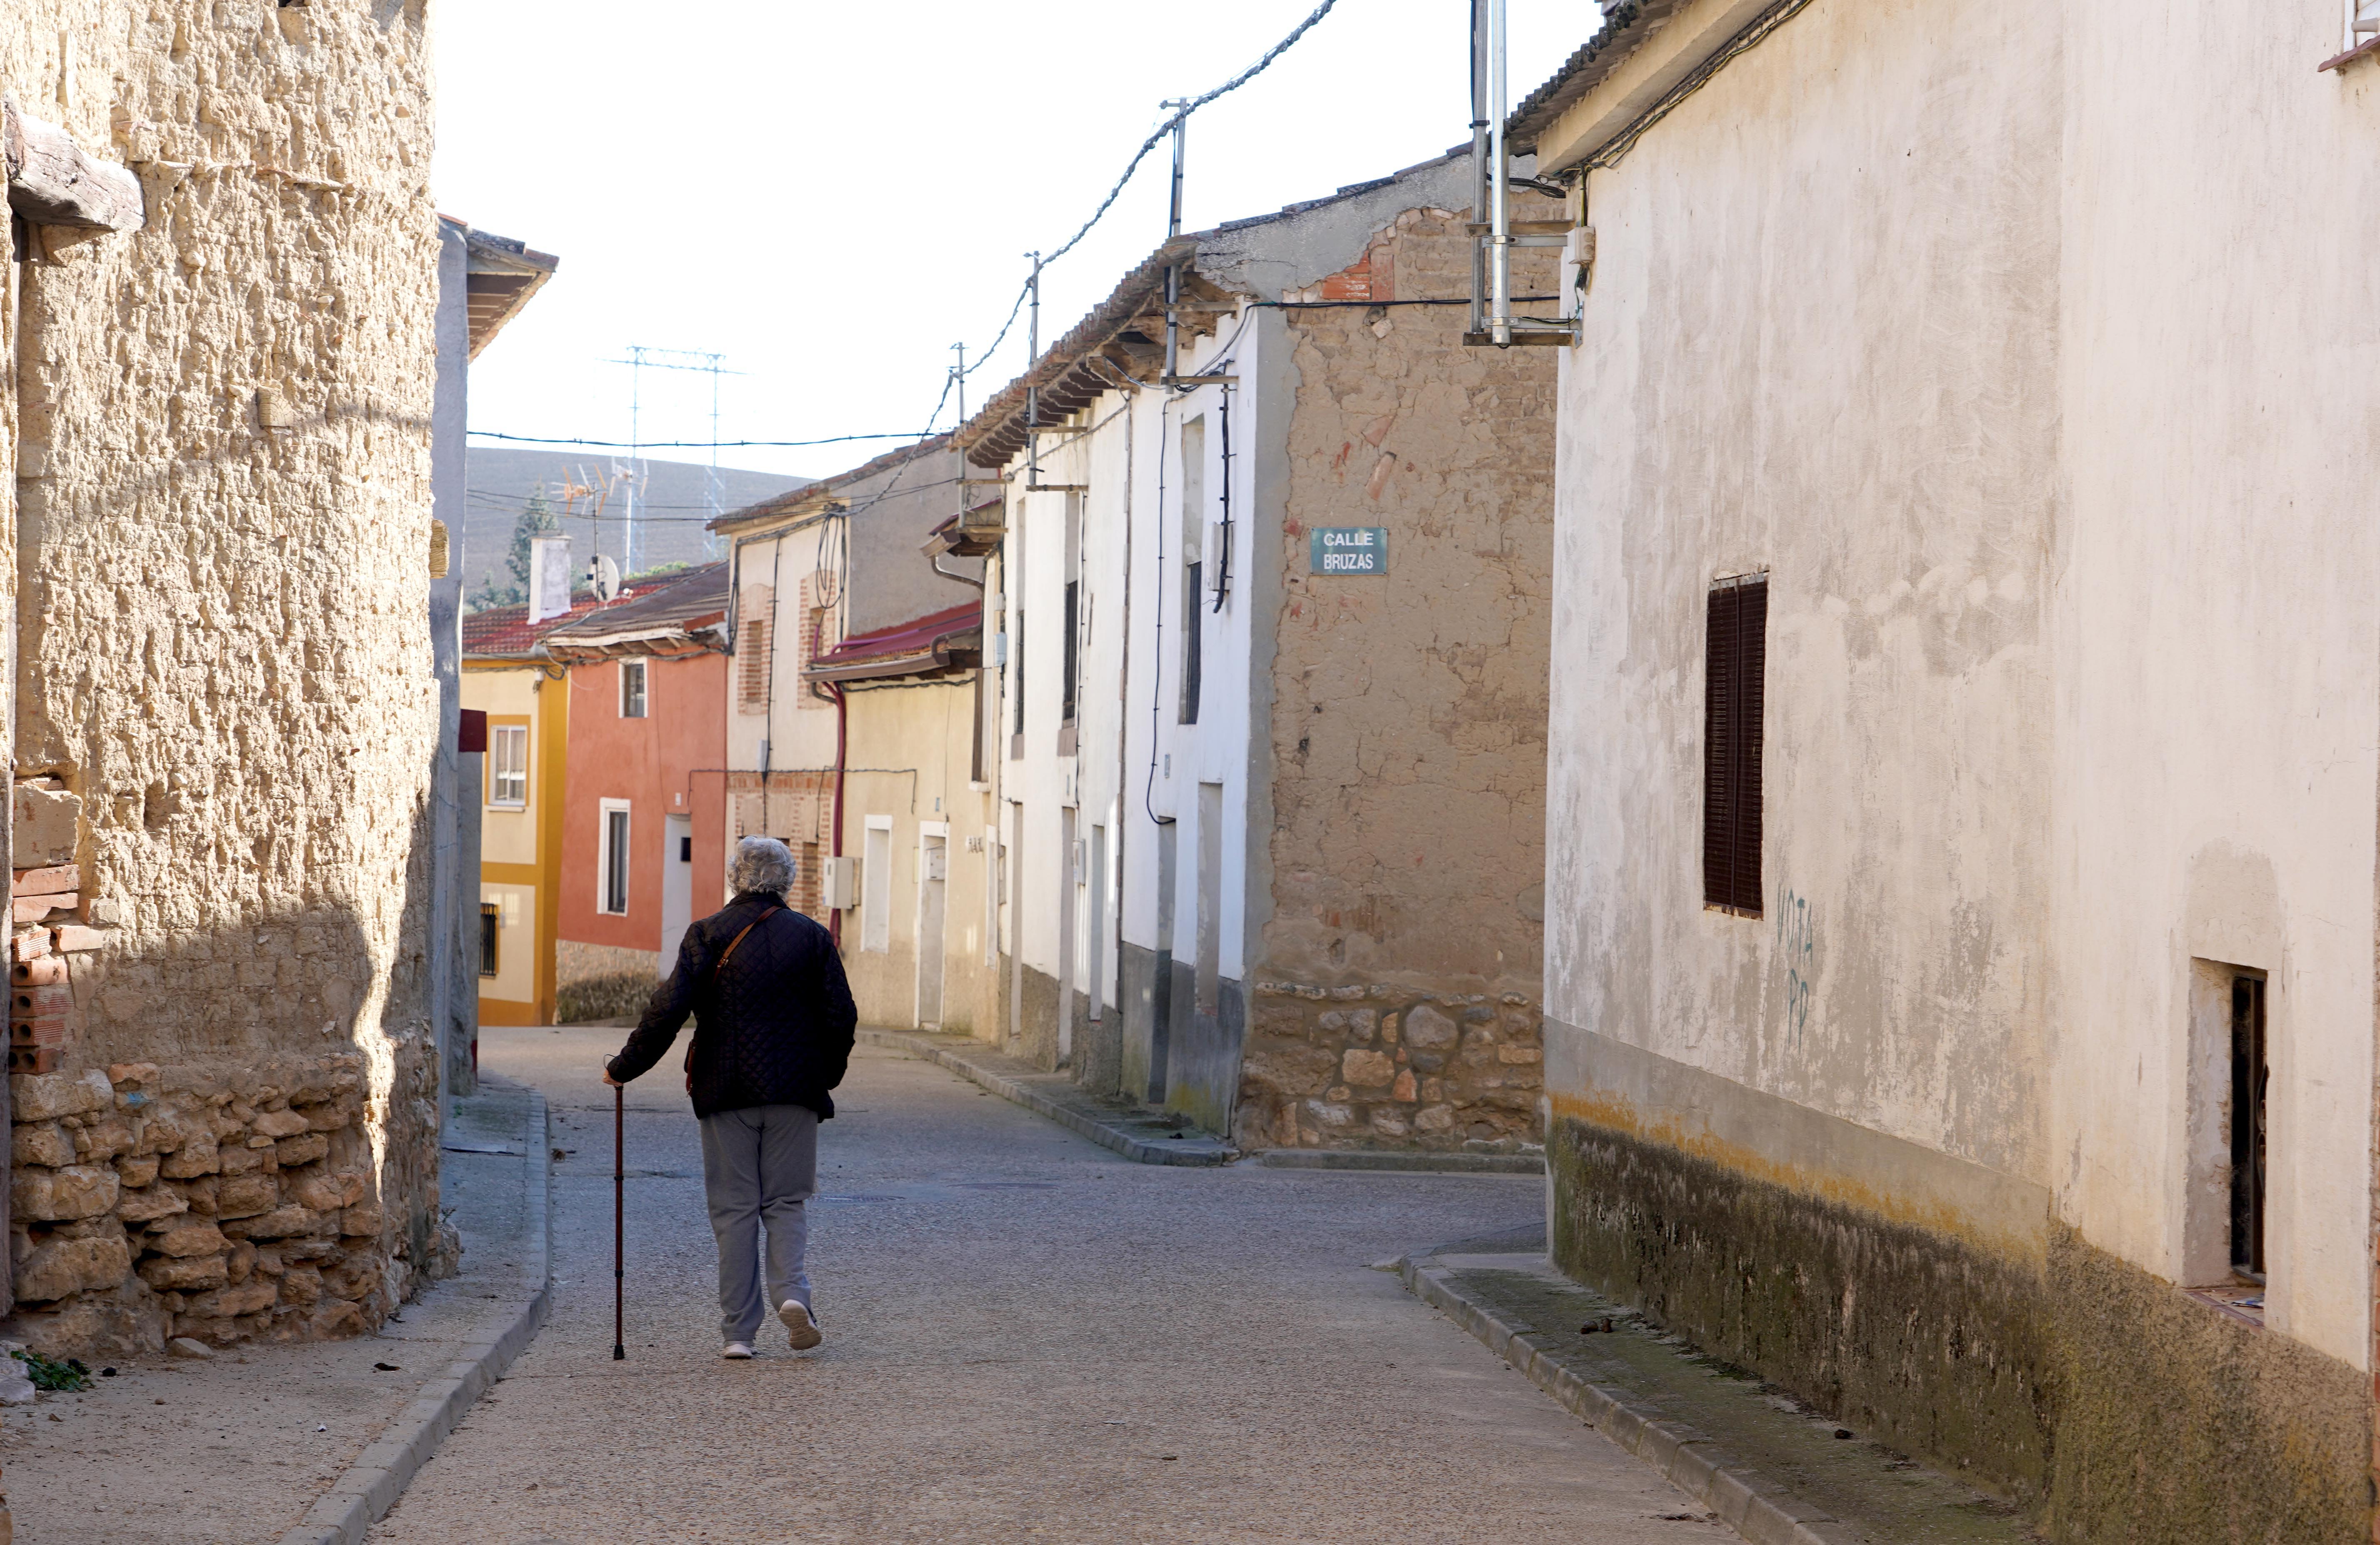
(1234, 84)
(680, 445)
(1166, 128)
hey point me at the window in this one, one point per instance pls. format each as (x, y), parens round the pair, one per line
(977, 755)
(2250, 1074)
(1013, 567)
(490, 920)
(509, 765)
(2363, 20)
(1069, 674)
(1193, 531)
(752, 632)
(632, 688)
(1736, 631)
(876, 886)
(613, 858)
(1066, 687)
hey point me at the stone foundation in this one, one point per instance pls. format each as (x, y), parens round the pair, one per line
(220, 1203)
(2111, 1404)
(1385, 1067)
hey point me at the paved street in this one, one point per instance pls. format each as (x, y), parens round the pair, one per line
(1027, 1337)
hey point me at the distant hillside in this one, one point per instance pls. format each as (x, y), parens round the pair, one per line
(669, 506)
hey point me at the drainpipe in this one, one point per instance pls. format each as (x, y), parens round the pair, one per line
(834, 691)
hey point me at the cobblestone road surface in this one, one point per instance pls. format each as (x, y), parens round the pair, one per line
(1027, 1338)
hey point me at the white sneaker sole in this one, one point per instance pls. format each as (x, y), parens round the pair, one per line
(800, 1329)
(735, 1352)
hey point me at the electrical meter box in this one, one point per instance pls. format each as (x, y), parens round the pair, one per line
(838, 882)
(936, 863)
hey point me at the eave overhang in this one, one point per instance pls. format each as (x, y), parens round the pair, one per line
(1645, 49)
(1120, 343)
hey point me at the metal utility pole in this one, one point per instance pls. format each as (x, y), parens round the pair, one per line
(1180, 107)
(1500, 203)
(1032, 389)
(958, 380)
(1480, 173)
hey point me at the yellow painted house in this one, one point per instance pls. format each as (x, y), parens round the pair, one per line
(526, 695)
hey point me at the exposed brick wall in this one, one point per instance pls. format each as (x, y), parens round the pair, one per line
(222, 655)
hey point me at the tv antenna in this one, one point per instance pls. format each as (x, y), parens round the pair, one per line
(640, 355)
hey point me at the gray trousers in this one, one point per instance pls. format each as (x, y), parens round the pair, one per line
(759, 1163)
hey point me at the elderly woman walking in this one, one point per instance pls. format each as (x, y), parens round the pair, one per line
(773, 1036)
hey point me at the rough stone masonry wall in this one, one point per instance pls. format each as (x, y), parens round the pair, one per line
(1380, 1066)
(1408, 727)
(223, 672)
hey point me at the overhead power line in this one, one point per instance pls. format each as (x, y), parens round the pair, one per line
(666, 444)
(1234, 84)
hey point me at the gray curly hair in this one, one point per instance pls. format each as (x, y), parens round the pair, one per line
(762, 864)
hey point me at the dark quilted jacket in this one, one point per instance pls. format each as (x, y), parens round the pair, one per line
(774, 1025)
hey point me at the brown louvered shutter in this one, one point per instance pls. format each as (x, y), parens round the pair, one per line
(1736, 642)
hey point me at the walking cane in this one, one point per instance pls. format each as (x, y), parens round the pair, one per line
(619, 1214)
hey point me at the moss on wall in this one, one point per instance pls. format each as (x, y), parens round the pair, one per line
(2178, 1422)
(2113, 1404)
(1932, 1348)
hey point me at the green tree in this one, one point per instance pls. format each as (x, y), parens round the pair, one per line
(537, 519)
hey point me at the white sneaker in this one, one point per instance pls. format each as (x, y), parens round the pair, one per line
(736, 1350)
(800, 1329)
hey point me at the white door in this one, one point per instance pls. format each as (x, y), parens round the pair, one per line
(678, 885)
(933, 872)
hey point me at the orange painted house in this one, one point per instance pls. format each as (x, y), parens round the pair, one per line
(644, 810)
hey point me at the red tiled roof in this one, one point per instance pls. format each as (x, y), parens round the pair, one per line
(505, 632)
(682, 612)
(904, 647)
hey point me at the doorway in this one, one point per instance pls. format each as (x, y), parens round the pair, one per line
(933, 873)
(678, 885)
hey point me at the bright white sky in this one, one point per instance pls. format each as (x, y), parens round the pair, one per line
(831, 195)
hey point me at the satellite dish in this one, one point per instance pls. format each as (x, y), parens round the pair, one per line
(604, 575)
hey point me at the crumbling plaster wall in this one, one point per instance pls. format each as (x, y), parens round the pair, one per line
(2024, 346)
(223, 517)
(1407, 723)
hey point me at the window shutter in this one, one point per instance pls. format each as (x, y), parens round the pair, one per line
(1736, 641)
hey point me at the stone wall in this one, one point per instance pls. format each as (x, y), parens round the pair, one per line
(222, 674)
(183, 1201)
(1381, 1065)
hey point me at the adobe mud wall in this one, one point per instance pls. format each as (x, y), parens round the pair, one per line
(223, 669)
(1407, 740)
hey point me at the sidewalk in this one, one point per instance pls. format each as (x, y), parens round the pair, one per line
(300, 1442)
(1775, 1471)
(1141, 1136)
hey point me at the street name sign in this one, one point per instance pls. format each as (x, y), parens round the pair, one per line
(1349, 549)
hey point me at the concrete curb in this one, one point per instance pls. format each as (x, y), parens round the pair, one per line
(1760, 1511)
(1140, 1151)
(380, 1474)
(1434, 1164)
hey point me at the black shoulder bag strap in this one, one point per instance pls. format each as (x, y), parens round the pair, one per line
(695, 1040)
